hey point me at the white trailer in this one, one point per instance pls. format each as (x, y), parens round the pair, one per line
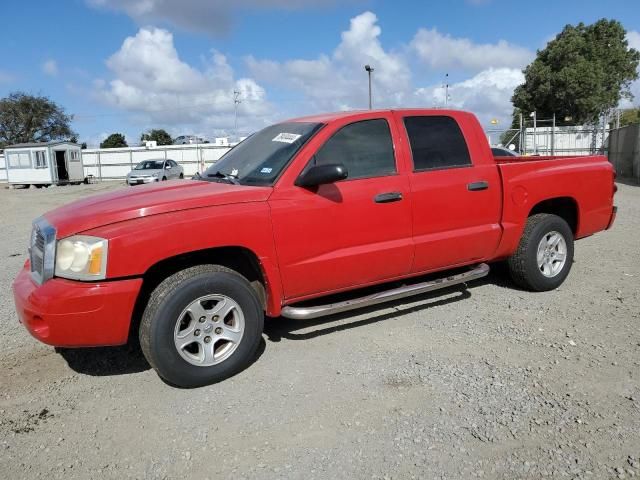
(43, 164)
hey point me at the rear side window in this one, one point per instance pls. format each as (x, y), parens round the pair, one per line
(365, 148)
(436, 142)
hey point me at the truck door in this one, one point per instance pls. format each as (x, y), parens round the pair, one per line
(352, 232)
(456, 190)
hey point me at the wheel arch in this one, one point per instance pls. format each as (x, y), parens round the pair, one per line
(238, 258)
(564, 207)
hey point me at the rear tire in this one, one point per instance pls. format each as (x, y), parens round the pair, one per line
(183, 309)
(544, 256)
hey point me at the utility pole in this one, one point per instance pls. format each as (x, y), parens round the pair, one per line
(369, 69)
(535, 132)
(553, 135)
(236, 102)
(521, 141)
(446, 90)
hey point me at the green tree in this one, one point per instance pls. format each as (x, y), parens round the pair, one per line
(114, 140)
(159, 135)
(27, 118)
(584, 71)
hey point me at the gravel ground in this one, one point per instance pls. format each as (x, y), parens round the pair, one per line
(484, 382)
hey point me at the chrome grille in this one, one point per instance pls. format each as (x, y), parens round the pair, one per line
(42, 250)
(37, 252)
(38, 241)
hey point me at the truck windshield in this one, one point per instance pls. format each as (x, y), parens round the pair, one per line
(260, 158)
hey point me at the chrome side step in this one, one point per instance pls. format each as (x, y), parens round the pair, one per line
(305, 313)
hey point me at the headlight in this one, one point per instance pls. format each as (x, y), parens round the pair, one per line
(157, 174)
(82, 257)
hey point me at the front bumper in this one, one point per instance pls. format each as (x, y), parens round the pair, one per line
(141, 180)
(67, 313)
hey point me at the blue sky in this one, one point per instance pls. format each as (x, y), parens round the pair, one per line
(130, 65)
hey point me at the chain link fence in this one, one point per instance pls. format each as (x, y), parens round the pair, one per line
(551, 140)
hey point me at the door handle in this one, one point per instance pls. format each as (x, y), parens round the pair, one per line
(388, 197)
(476, 186)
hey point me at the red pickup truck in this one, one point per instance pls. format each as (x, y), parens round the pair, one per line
(294, 214)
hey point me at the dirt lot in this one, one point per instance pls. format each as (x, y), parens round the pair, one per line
(488, 381)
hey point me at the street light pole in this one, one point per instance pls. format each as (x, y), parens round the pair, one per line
(369, 69)
(236, 101)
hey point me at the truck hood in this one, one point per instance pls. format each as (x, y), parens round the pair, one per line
(145, 200)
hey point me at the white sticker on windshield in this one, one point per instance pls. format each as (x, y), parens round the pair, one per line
(266, 170)
(286, 137)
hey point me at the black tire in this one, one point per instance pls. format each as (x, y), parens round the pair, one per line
(170, 298)
(523, 264)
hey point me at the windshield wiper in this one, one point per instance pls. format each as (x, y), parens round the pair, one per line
(225, 176)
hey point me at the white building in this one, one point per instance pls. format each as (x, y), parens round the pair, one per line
(49, 163)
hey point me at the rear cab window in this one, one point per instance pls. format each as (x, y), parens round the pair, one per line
(436, 143)
(365, 148)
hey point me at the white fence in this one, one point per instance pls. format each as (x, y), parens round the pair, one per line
(115, 163)
(565, 140)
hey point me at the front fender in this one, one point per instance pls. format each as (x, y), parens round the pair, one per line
(138, 244)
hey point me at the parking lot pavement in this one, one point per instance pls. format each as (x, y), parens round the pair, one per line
(484, 382)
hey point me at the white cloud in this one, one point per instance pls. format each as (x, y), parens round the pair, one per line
(338, 81)
(208, 16)
(633, 37)
(487, 94)
(152, 80)
(442, 51)
(50, 67)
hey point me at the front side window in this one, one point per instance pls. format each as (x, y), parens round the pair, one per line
(365, 148)
(436, 143)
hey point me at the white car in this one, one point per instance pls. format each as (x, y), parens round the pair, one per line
(149, 171)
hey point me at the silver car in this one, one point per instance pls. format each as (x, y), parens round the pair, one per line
(149, 171)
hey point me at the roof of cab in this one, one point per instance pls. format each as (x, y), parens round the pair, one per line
(329, 117)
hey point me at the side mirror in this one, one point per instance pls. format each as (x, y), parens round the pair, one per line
(322, 174)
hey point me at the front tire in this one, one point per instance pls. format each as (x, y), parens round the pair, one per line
(201, 325)
(544, 256)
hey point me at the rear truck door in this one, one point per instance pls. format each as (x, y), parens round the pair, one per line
(456, 190)
(352, 232)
